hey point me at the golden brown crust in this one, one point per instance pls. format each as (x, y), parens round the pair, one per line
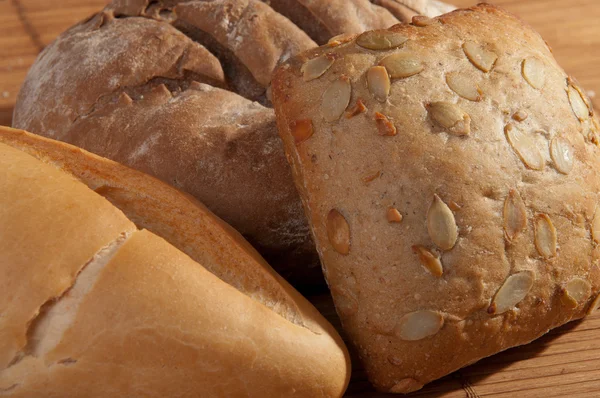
(69, 238)
(176, 217)
(457, 139)
(156, 317)
(157, 324)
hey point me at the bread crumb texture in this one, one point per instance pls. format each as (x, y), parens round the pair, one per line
(487, 153)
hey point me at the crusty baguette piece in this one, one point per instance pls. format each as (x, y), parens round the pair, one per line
(94, 307)
(58, 245)
(169, 213)
(133, 84)
(449, 172)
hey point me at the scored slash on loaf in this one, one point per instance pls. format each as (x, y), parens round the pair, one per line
(481, 230)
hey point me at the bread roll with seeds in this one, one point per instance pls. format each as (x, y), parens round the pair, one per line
(113, 283)
(184, 77)
(477, 229)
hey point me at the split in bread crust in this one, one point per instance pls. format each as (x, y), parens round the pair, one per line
(94, 305)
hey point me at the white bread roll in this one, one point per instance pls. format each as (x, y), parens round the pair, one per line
(90, 306)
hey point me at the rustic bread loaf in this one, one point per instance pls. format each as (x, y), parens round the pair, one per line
(171, 88)
(91, 306)
(449, 172)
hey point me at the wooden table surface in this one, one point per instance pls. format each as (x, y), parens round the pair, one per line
(564, 363)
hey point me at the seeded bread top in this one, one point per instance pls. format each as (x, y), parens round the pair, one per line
(178, 89)
(448, 171)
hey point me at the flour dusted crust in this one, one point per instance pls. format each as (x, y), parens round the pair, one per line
(179, 89)
(135, 92)
(113, 283)
(453, 199)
